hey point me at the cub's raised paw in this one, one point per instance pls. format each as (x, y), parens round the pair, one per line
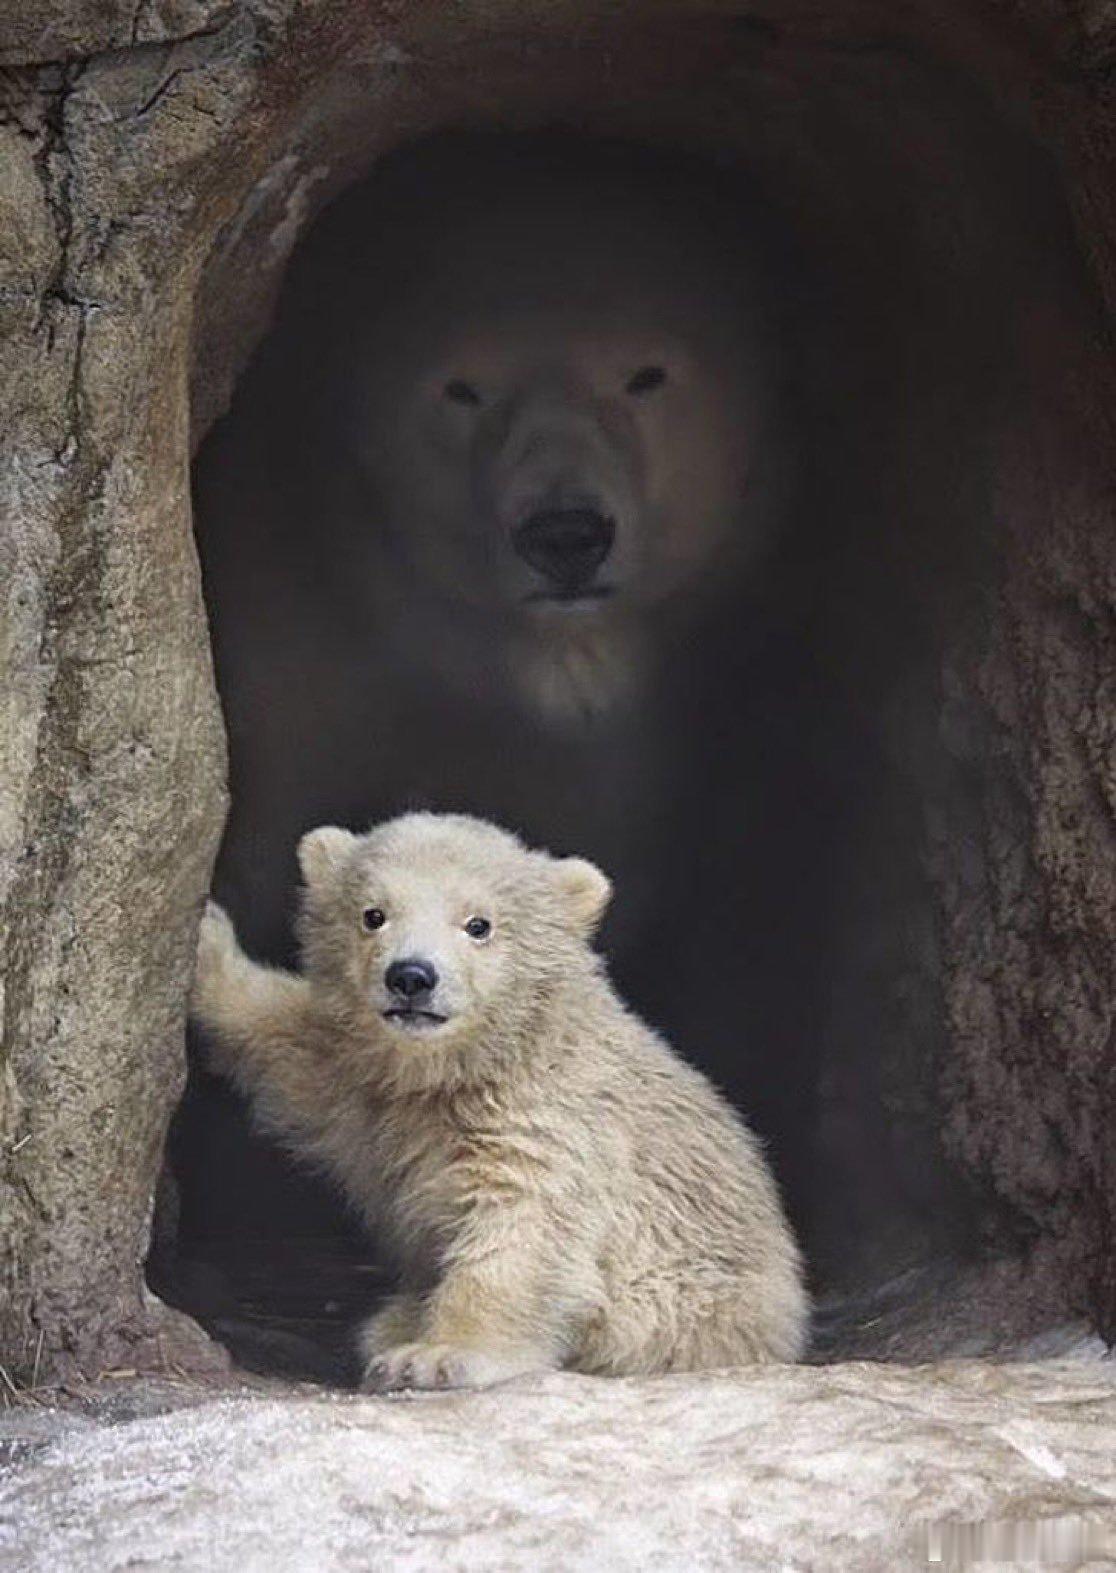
(435, 1366)
(217, 951)
(216, 939)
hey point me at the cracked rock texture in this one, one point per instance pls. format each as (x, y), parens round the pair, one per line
(157, 162)
(859, 1466)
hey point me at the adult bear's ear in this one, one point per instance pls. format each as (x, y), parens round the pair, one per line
(323, 852)
(585, 889)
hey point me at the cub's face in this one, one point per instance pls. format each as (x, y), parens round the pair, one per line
(436, 928)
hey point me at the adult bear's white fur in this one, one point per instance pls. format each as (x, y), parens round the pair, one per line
(558, 1186)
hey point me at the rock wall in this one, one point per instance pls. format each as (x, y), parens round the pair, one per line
(1024, 855)
(111, 742)
(158, 162)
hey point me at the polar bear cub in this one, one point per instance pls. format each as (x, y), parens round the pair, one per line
(557, 1187)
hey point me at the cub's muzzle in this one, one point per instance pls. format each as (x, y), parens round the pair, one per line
(408, 979)
(411, 984)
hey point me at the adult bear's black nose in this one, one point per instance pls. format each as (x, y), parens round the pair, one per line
(568, 545)
(410, 978)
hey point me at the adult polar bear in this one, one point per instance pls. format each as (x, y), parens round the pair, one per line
(515, 434)
(565, 423)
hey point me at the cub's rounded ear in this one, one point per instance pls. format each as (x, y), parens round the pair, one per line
(323, 852)
(586, 891)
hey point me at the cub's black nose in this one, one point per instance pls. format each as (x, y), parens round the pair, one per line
(568, 545)
(410, 978)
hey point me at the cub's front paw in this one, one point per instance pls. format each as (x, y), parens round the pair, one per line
(214, 967)
(435, 1366)
(216, 945)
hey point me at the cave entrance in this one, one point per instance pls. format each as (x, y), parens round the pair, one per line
(783, 775)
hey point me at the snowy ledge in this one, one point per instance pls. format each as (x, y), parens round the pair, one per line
(840, 1466)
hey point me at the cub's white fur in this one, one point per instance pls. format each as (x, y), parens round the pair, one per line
(558, 1187)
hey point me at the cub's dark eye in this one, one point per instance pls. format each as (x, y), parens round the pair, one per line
(646, 380)
(373, 918)
(461, 392)
(478, 928)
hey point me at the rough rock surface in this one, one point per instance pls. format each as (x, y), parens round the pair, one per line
(858, 1466)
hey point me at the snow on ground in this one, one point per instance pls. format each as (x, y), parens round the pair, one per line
(832, 1467)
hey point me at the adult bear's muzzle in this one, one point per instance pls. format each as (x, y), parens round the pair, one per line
(566, 546)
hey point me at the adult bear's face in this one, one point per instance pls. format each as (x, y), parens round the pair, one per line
(562, 423)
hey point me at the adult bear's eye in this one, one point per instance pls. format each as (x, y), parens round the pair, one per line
(461, 392)
(646, 380)
(373, 918)
(478, 928)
